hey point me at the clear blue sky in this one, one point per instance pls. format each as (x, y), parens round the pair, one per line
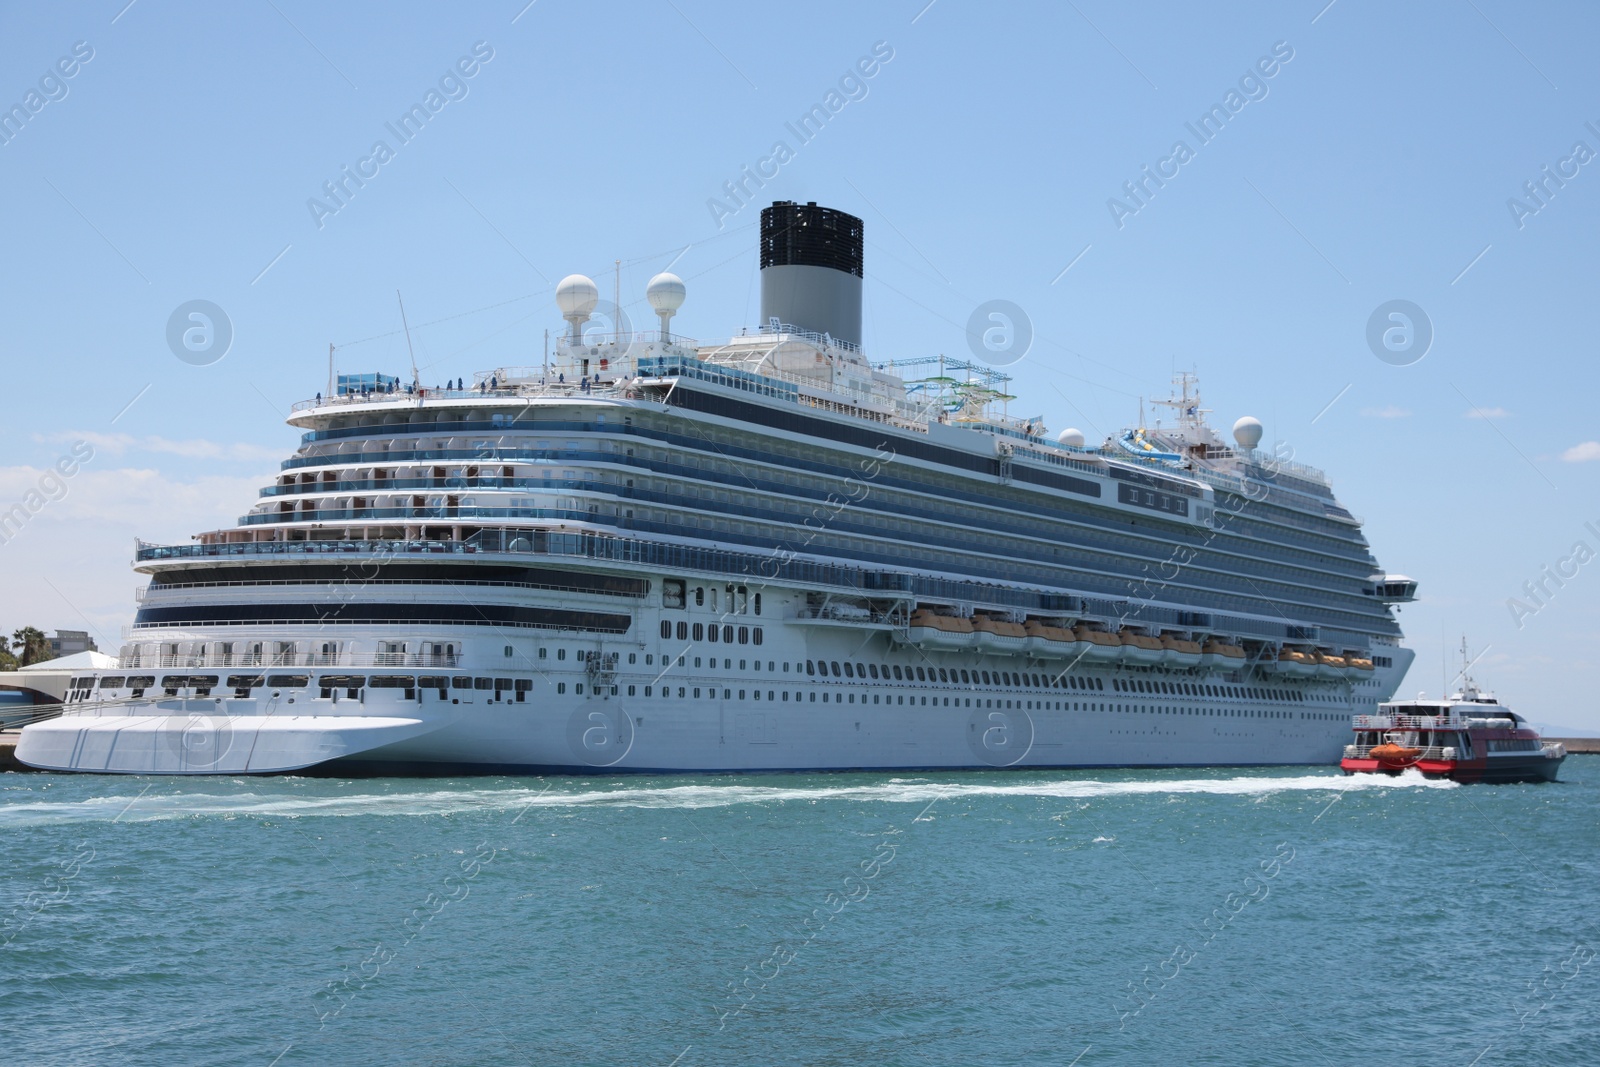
(1375, 164)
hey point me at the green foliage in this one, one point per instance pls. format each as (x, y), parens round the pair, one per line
(31, 644)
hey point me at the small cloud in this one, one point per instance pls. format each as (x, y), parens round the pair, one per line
(1589, 450)
(1390, 412)
(1486, 413)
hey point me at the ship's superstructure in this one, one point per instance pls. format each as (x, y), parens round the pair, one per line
(763, 553)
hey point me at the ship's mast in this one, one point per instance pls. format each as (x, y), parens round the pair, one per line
(1187, 403)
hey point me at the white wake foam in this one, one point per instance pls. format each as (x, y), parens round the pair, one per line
(295, 801)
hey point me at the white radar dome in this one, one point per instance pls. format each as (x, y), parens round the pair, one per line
(1071, 438)
(1247, 433)
(577, 296)
(665, 292)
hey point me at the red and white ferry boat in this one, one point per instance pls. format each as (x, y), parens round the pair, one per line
(1470, 737)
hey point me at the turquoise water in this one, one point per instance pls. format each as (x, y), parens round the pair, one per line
(1221, 917)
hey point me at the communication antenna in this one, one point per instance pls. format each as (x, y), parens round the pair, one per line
(1444, 665)
(330, 371)
(416, 379)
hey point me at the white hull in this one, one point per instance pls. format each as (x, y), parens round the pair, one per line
(728, 718)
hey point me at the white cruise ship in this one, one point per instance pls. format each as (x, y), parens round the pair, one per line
(763, 553)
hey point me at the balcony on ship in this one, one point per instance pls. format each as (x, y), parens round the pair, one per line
(286, 653)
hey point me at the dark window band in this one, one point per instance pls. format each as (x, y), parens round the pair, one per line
(443, 573)
(462, 614)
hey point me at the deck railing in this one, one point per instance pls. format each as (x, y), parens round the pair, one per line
(244, 661)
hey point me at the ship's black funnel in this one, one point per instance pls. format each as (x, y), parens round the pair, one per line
(811, 269)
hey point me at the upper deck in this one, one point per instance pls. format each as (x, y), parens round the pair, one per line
(964, 403)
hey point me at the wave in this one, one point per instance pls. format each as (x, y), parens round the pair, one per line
(180, 803)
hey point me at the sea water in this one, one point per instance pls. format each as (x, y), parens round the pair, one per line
(1226, 916)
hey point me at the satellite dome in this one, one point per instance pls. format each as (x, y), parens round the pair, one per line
(665, 292)
(1070, 437)
(1247, 432)
(577, 296)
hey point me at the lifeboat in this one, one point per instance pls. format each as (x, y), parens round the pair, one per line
(1295, 663)
(1220, 656)
(997, 635)
(1357, 666)
(1141, 649)
(1392, 756)
(940, 631)
(1050, 641)
(1098, 645)
(1180, 653)
(1329, 666)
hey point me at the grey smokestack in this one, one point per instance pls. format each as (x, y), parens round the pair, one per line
(811, 269)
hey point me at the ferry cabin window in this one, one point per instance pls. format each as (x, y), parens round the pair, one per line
(699, 631)
(683, 631)
(699, 596)
(711, 632)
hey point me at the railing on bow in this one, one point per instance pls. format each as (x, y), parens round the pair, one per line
(17, 716)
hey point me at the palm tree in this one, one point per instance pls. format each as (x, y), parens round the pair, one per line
(32, 644)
